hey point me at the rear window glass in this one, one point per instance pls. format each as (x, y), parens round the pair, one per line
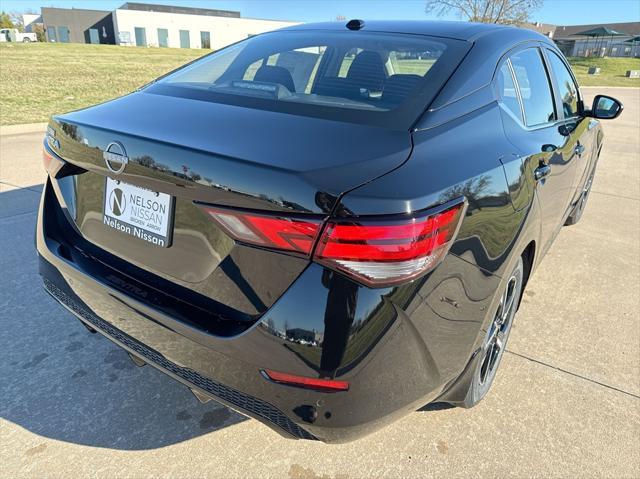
(323, 74)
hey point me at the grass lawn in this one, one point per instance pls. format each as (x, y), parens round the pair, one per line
(612, 72)
(41, 79)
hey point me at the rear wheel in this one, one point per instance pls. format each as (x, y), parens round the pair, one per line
(495, 340)
(26, 40)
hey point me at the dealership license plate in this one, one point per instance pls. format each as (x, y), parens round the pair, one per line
(136, 211)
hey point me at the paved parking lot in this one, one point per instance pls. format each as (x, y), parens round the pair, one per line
(565, 403)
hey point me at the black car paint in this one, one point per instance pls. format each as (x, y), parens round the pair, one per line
(399, 347)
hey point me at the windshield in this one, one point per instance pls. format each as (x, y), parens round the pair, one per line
(352, 76)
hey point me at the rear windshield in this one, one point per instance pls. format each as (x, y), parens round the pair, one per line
(366, 77)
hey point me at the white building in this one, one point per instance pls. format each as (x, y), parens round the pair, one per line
(140, 24)
(29, 20)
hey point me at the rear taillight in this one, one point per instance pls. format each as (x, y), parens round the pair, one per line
(52, 163)
(275, 232)
(389, 251)
(47, 159)
(374, 251)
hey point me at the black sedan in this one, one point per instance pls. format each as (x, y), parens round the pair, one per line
(324, 227)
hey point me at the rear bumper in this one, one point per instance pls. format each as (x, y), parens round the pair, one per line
(243, 403)
(399, 348)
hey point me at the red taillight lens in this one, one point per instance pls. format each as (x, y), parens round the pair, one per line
(52, 163)
(376, 252)
(383, 252)
(277, 232)
(326, 385)
(47, 158)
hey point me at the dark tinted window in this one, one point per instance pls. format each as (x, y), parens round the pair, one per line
(340, 75)
(507, 90)
(534, 87)
(566, 87)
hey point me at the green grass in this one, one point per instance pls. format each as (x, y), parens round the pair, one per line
(612, 72)
(41, 79)
(38, 80)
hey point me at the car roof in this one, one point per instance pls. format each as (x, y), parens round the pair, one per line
(460, 30)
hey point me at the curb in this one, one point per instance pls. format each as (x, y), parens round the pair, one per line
(7, 130)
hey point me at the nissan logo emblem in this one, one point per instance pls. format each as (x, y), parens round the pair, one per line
(115, 157)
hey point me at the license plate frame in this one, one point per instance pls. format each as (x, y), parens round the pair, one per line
(138, 212)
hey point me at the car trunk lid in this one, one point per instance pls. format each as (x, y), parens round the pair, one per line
(194, 152)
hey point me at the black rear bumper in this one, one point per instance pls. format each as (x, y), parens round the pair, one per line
(399, 348)
(237, 400)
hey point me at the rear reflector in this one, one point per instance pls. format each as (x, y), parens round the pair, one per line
(326, 385)
(385, 252)
(276, 232)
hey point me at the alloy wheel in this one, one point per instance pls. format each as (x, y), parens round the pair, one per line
(497, 335)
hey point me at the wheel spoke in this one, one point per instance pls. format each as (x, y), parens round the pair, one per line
(501, 308)
(510, 298)
(500, 340)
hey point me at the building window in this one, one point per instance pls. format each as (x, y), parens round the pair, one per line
(185, 41)
(205, 40)
(94, 35)
(51, 34)
(141, 36)
(63, 34)
(163, 37)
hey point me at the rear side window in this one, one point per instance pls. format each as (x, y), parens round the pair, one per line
(566, 87)
(358, 76)
(507, 90)
(534, 87)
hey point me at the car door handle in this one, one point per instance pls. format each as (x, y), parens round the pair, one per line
(579, 149)
(541, 171)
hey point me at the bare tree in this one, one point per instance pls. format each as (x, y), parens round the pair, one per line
(486, 11)
(16, 19)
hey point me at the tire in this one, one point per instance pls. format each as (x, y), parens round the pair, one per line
(495, 339)
(578, 209)
(26, 40)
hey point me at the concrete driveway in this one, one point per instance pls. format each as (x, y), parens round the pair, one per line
(565, 403)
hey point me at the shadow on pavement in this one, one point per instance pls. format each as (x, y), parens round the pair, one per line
(60, 381)
(435, 406)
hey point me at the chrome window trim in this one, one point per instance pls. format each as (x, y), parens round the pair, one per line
(523, 115)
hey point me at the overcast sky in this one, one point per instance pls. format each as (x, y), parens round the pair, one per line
(560, 12)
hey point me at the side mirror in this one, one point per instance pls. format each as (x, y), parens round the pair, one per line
(605, 108)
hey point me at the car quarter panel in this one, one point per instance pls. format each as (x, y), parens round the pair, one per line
(468, 156)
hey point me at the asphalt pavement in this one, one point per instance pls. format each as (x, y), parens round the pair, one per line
(565, 403)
